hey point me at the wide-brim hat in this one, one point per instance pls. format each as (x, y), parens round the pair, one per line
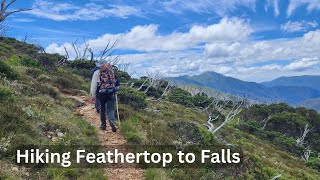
(99, 63)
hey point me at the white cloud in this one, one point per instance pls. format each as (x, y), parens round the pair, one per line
(311, 5)
(224, 47)
(23, 20)
(275, 5)
(90, 11)
(146, 38)
(302, 64)
(221, 49)
(219, 7)
(298, 26)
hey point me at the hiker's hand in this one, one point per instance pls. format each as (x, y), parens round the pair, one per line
(93, 100)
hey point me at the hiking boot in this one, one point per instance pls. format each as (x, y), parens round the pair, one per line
(103, 128)
(113, 127)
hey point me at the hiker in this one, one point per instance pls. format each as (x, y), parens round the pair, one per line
(96, 68)
(104, 85)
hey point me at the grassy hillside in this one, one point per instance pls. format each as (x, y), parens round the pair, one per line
(35, 110)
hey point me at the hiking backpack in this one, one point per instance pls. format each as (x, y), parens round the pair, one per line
(107, 79)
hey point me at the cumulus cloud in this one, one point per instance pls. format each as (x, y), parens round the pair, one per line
(298, 26)
(239, 59)
(146, 38)
(302, 64)
(224, 47)
(90, 11)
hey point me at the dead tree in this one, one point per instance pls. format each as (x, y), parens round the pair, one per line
(64, 58)
(276, 177)
(4, 28)
(230, 113)
(300, 140)
(210, 124)
(81, 52)
(4, 13)
(123, 66)
(306, 154)
(166, 91)
(192, 89)
(143, 84)
(265, 121)
(91, 54)
(76, 49)
(154, 80)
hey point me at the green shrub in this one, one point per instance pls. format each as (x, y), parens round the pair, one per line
(132, 97)
(123, 77)
(180, 96)
(49, 61)
(43, 78)
(286, 143)
(29, 62)
(188, 132)
(314, 163)
(155, 174)
(7, 71)
(207, 137)
(82, 67)
(129, 129)
(34, 72)
(13, 120)
(201, 100)
(14, 60)
(287, 122)
(154, 92)
(5, 93)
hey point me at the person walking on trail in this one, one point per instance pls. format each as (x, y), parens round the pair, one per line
(96, 68)
(104, 85)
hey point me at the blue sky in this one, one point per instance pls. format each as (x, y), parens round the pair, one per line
(253, 40)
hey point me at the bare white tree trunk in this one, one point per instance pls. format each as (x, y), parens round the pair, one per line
(139, 89)
(265, 121)
(276, 177)
(230, 114)
(306, 154)
(300, 140)
(165, 91)
(154, 80)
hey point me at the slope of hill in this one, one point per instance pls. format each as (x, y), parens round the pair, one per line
(289, 94)
(227, 85)
(303, 81)
(295, 94)
(33, 110)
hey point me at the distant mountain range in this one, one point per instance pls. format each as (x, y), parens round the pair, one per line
(297, 90)
(301, 81)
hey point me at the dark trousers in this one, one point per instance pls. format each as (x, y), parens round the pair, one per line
(107, 102)
(97, 104)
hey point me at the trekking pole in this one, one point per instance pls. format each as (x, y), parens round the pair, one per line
(117, 105)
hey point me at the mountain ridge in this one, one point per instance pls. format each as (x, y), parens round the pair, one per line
(292, 94)
(312, 81)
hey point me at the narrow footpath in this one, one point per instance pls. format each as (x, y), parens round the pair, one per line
(108, 138)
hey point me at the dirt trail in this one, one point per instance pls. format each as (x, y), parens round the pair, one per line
(109, 138)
